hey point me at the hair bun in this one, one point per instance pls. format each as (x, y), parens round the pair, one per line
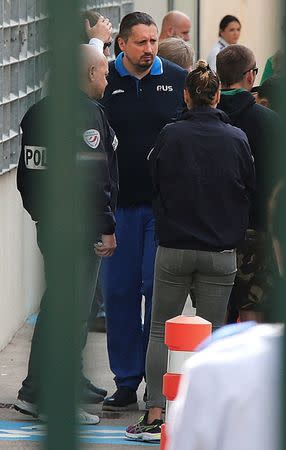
(203, 65)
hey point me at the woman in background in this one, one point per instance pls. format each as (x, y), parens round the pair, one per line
(229, 33)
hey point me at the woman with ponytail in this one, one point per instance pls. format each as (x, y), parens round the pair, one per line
(203, 176)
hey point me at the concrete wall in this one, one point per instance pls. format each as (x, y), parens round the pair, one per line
(21, 270)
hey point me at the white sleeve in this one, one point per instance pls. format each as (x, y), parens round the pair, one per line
(223, 392)
(194, 420)
(97, 43)
(212, 58)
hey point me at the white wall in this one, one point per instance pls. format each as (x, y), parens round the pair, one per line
(156, 8)
(261, 25)
(21, 269)
(260, 19)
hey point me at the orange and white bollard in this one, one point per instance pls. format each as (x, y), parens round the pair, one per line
(182, 335)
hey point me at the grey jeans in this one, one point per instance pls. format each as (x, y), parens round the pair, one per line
(208, 277)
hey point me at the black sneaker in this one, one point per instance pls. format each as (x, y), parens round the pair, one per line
(143, 431)
(88, 384)
(89, 396)
(122, 400)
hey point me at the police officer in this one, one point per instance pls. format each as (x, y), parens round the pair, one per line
(97, 164)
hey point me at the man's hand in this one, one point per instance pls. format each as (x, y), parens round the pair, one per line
(101, 30)
(107, 245)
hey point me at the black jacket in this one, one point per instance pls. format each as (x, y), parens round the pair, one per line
(95, 162)
(203, 174)
(260, 125)
(137, 111)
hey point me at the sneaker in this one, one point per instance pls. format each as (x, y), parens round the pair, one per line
(89, 395)
(25, 407)
(87, 419)
(31, 409)
(84, 418)
(88, 384)
(122, 400)
(143, 431)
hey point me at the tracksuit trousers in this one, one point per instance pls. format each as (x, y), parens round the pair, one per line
(126, 276)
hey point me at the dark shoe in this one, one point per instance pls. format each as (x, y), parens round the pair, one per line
(88, 384)
(122, 400)
(25, 407)
(99, 325)
(89, 396)
(142, 431)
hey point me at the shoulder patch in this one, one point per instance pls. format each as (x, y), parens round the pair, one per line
(115, 143)
(91, 138)
(35, 157)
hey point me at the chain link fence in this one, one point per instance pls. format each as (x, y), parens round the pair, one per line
(24, 62)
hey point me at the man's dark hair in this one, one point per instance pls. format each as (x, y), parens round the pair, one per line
(226, 20)
(271, 90)
(117, 49)
(232, 63)
(92, 17)
(133, 19)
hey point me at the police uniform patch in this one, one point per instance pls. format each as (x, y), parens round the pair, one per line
(92, 138)
(115, 143)
(35, 157)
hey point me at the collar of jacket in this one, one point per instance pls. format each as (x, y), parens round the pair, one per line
(204, 113)
(222, 42)
(156, 68)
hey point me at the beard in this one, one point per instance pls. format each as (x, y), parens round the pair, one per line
(143, 63)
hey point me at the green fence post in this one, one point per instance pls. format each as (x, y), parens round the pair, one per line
(61, 350)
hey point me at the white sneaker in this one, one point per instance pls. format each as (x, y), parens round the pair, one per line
(87, 419)
(24, 407)
(84, 418)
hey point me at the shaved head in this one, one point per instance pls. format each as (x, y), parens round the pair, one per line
(90, 56)
(93, 71)
(176, 24)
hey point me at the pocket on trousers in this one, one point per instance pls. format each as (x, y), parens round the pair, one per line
(224, 262)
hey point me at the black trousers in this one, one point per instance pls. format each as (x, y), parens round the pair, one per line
(87, 267)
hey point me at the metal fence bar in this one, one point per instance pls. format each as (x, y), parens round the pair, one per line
(23, 63)
(62, 348)
(62, 330)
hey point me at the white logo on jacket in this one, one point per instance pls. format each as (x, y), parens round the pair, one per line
(165, 88)
(118, 91)
(92, 138)
(115, 143)
(35, 157)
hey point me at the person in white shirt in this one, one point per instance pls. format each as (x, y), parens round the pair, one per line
(229, 33)
(228, 398)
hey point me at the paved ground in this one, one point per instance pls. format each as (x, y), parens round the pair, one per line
(17, 430)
